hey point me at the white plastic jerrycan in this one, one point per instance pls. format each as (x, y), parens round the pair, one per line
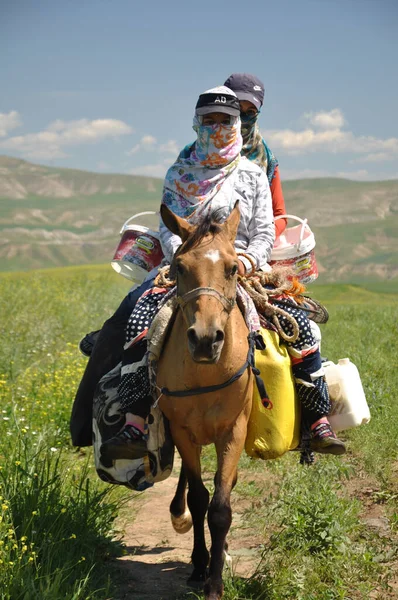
(349, 406)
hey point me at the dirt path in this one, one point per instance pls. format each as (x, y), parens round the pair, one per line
(157, 565)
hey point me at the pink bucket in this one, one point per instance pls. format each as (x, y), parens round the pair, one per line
(139, 250)
(295, 249)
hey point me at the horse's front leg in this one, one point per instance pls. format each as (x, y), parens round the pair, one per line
(181, 518)
(219, 517)
(198, 502)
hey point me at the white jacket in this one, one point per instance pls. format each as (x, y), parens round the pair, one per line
(256, 231)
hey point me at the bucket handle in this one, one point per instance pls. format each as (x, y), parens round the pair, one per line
(141, 214)
(304, 223)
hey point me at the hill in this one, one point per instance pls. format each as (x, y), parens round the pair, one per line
(54, 217)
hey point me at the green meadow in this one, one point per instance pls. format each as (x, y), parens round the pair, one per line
(328, 532)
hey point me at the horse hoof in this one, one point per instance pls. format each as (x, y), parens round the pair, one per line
(197, 580)
(183, 523)
(213, 590)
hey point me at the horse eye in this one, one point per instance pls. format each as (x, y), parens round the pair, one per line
(234, 270)
(180, 269)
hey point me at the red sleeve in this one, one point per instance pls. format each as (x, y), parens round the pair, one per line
(278, 202)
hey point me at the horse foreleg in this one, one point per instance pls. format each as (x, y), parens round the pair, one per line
(229, 450)
(181, 518)
(198, 502)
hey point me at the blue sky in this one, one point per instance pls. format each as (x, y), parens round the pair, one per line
(111, 85)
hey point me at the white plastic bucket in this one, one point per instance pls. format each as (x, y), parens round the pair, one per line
(295, 249)
(349, 407)
(139, 250)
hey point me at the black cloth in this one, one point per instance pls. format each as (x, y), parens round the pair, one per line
(107, 353)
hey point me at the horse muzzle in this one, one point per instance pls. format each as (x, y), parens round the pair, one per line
(205, 348)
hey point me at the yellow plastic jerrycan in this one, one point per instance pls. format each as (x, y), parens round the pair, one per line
(273, 431)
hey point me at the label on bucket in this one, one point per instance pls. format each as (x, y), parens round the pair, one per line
(137, 249)
(304, 266)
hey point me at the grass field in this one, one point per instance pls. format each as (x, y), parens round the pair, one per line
(328, 532)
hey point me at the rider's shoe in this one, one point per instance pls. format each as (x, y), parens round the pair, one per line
(129, 443)
(318, 313)
(325, 441)
(86, 345)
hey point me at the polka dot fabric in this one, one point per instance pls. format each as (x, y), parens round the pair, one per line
(134, 387)
(306, 340)
(143, 313)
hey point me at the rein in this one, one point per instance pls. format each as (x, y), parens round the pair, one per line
(255, 340)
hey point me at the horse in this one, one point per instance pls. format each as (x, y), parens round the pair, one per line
(207, 385)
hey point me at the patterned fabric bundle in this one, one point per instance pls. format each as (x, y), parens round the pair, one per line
(255, 148)
(198, 178)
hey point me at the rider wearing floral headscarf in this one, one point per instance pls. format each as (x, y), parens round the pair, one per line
(212, 177)
(211, 174)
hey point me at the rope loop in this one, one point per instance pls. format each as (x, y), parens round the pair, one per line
(162, 278)
(254, 284)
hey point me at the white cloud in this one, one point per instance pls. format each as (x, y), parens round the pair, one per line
(327, 135)
(360, 174)
(333, 119)
(170, 147)
(153, 170)
(376, 157)
(287, 174)
(146, 143)
(9, 121)
(49, 144)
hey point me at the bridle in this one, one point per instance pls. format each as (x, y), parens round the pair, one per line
(228, 303)
(254, 339)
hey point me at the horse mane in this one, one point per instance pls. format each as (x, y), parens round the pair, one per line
(211, 224)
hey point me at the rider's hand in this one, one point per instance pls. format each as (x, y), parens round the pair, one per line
(241, 268)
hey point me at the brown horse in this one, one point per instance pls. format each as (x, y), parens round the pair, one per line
(207, 345)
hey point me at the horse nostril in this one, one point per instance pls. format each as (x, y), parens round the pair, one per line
(192, 337)
(219, 336)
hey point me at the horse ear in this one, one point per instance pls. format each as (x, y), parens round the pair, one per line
(175, 224)
(232, 223)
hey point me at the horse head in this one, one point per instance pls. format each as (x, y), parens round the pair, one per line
(206, 267)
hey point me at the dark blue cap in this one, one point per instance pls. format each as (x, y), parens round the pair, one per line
(247, 87)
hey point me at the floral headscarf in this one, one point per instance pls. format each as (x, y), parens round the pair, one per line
(255, 148)
(194, 181)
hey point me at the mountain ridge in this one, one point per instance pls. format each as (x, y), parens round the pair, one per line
(51, 216)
